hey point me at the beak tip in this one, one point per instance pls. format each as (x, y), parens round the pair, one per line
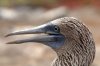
(14, 42)
(7, 35)
(9, 43)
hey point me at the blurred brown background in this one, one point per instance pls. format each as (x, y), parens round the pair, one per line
(23, 14)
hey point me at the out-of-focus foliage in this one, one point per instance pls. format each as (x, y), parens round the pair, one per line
(49, 3)
(25, 2)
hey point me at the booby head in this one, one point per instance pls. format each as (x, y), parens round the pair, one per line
(52, 35)
(57, 32)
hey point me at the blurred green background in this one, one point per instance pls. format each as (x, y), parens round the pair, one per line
(23, 14)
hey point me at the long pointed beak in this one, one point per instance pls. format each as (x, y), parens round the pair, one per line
(41, 39)
(47, 38)
(39, 29)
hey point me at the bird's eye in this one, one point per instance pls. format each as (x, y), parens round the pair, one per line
(56, 28)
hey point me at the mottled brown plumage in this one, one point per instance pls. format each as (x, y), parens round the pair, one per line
(71, 40)
(79, 46)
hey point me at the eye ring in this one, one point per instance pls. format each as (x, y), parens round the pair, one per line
(56, 28)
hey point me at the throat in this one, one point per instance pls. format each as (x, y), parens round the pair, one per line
(64, 59)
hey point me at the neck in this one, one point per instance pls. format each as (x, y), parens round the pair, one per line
(74, 55)
(65, 59)
(65, 56)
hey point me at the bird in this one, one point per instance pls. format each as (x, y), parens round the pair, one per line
(68, 37)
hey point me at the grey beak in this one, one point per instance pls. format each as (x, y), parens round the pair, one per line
(40, 38)
(39, 29)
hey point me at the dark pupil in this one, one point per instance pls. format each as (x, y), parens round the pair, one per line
(56, 28)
